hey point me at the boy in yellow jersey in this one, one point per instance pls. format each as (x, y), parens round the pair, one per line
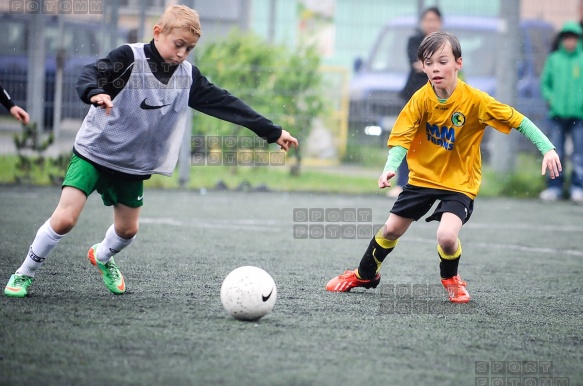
(440, 130)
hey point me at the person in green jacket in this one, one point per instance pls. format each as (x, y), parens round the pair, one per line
(562, 88)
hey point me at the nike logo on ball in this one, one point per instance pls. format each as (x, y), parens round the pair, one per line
(266, 298)
(146, 106)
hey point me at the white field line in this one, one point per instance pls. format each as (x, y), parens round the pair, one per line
(240, 224)
(526, 226)
(276, 226)
(515, 247)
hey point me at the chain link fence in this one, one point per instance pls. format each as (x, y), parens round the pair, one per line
(345, 31)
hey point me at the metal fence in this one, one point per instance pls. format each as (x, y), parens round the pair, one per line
(14, 80)
(344, 30)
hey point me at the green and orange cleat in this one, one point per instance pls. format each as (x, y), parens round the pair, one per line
(349, 280)
(456, 289)
(112, 277)
(17, 286)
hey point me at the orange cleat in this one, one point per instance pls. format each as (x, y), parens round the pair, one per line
(456, 289)
(348, 280)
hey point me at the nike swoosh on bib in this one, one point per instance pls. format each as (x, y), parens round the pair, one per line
(146, 106)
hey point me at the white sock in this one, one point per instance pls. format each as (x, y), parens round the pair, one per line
(111, 245)
(44, 242)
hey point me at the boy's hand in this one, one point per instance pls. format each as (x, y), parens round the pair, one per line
(20, 114)
(285, 140)
(384, 179)
(103, 101)
(552, 162)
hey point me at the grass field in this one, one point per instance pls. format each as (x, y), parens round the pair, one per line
(523, 262)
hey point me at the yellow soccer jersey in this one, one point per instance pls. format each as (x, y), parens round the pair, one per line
(443, 139)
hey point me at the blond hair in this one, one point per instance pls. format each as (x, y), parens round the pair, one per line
(180, 16)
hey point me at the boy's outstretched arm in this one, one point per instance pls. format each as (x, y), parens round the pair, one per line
(286, 140)
(20, 114)
(17, 112)
(552, 162)
(551, 159)
(102, 101)
(107, 76)
(394, 159)
(219, 103)
(383, 181)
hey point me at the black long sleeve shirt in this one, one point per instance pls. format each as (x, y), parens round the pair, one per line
(5, 99)
(415, 80)
(111, 74)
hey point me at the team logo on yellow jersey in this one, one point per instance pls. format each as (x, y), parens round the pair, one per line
(458, 119)
(440, 136)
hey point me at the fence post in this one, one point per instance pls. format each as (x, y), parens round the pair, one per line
(184, 156)
(503, 147)
(60, 62)
(35, 87)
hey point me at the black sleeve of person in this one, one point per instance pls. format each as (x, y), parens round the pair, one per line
(214, 101)
(5, 99)
(106, 76)
(412, 47)
(415, 79)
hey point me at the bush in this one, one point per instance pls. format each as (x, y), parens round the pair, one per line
(525, 181)
(281, 84)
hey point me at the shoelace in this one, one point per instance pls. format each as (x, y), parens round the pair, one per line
(112, 268)
(457, 281)
(458, 286)
(20, 280)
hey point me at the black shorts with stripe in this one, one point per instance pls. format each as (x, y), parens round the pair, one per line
(414, 202)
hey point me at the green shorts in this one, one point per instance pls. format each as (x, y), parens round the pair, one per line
(114, 190)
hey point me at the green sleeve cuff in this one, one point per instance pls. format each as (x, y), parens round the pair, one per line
(533, 133)
(394, 158)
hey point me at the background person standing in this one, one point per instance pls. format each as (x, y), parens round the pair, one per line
(562, 88)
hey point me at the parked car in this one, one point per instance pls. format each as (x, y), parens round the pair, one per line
(82, 43)
(377, 81)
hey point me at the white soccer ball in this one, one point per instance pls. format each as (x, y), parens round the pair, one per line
(248, 293)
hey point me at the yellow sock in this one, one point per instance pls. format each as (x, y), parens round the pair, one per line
(377, 251)
(456, 254)
(385, 243)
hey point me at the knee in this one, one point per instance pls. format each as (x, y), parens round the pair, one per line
(62, 222)
(127, 232)
(447, 241)
(390, 232)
